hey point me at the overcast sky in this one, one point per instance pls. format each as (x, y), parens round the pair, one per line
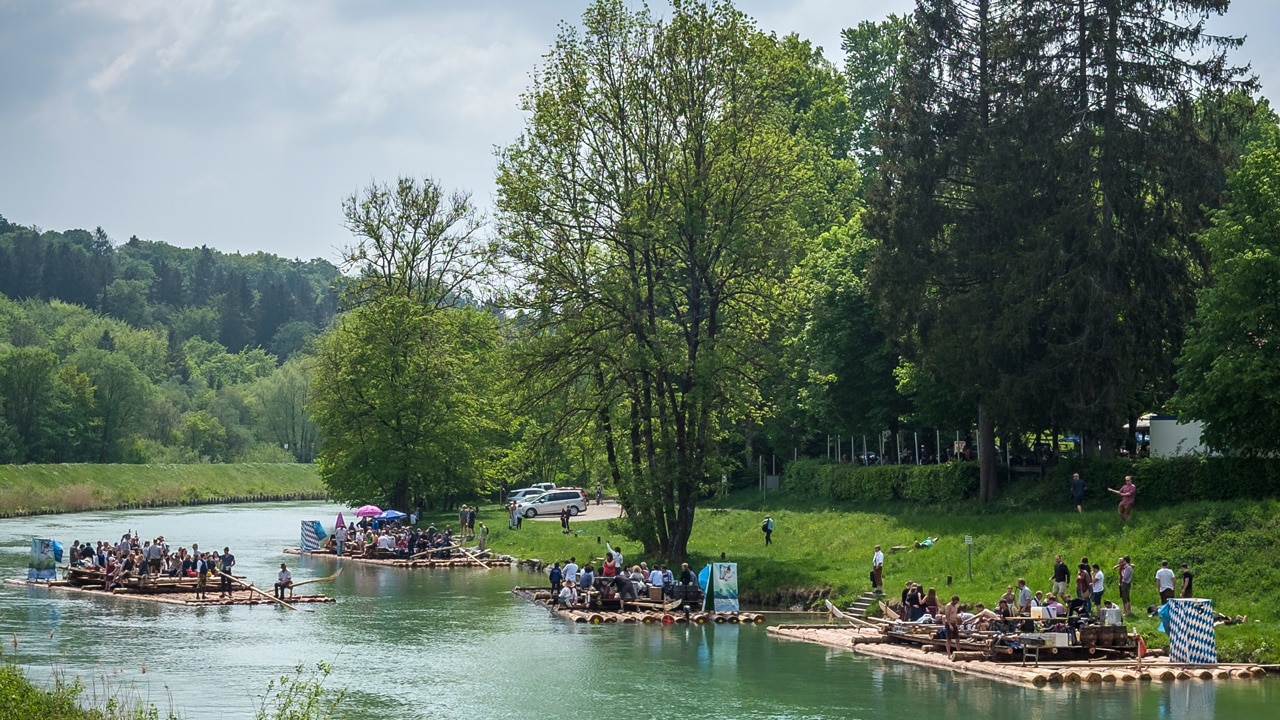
(242, 124)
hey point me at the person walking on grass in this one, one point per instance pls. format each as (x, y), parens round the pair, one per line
(1127, 493)
(767, 528)
(1077, 492)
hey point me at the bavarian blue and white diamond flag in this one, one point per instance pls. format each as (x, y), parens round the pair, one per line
(312, 535)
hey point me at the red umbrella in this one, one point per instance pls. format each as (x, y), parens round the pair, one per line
(368, 511)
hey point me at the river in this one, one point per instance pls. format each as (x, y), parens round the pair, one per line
(457, 644)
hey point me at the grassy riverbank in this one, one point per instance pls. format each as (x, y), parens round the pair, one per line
(37, 489)
(819, 549)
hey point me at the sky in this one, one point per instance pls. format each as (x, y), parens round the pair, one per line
(242, 124)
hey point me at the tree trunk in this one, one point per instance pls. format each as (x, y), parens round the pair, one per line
(987, 450)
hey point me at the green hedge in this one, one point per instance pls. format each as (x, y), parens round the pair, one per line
(1160, 482)
(853, 483)
(1175, 480)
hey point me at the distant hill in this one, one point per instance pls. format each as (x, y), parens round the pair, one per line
(240, 301)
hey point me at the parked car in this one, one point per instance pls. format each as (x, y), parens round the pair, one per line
(528, 493)
(553, 501)
(544, 486)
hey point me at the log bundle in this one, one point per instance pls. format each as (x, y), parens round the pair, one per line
(170, 594)
(649, 613)
(926, 652)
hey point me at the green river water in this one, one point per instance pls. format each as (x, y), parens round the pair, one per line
(457, 644)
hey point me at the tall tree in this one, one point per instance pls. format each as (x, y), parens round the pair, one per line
(649, 214)
(874, 53)
(1143, 156)
(414, 241)
(398, 397)
(1229, 373)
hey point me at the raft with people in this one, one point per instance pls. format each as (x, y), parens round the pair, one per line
(594, 611)
(164, 591)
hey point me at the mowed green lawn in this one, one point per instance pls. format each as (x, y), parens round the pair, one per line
(1229, 546)
(75, 487)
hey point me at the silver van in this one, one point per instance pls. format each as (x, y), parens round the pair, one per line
(553, 501)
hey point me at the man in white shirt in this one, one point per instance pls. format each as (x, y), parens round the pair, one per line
(339, 538)
(655, 576)
(284, 579)
(571, 571)
(1164, 582)
(568, 595)
(877, 571)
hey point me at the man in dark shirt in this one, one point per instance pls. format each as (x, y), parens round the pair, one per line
(1060, 572)
(1187, 576)
(1077, 491)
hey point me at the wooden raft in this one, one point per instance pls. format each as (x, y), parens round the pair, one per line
(875, 643)
(638, 611)
(185, 597)
(454, 562)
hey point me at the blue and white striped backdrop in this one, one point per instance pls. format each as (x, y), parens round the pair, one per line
(1191, 638)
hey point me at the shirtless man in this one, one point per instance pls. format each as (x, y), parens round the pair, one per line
(951, 622)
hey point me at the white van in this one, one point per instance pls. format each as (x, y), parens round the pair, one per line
(553, 501)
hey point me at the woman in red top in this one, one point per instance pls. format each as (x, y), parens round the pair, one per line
(610, 567)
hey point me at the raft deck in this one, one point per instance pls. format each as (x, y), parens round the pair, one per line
(648, 612)
(423, 562)
(184, 597)
(1048, 670)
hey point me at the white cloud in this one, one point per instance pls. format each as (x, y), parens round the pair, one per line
(241, 124)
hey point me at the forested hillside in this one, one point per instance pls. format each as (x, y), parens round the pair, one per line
(145, 352)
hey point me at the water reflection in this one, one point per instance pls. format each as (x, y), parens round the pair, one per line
(433, 643)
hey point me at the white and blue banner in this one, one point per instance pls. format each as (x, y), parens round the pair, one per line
(1189, 622)
(42, 565)
(724, 587)
(313, 535)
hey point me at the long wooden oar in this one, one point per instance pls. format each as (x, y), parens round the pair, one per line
(323, 579)
(272, 598)
(473, 556)
(415, 556)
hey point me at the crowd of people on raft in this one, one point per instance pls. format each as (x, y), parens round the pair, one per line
(1078, 594)
(578, 587)
(148, 560)
(372, 538)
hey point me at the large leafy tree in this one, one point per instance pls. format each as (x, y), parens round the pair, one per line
(1229, 373)
(1143, 157)
(1037, 198)
(400, 396)
(399, 387)
(651, 212)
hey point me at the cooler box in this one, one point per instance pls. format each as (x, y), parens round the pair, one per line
(1112, 616)
(1039, 613)
(655, 594)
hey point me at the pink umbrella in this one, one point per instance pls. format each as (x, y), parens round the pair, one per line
(340, 522)
(368, 511)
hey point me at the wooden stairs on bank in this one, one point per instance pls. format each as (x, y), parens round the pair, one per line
(864, 601)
